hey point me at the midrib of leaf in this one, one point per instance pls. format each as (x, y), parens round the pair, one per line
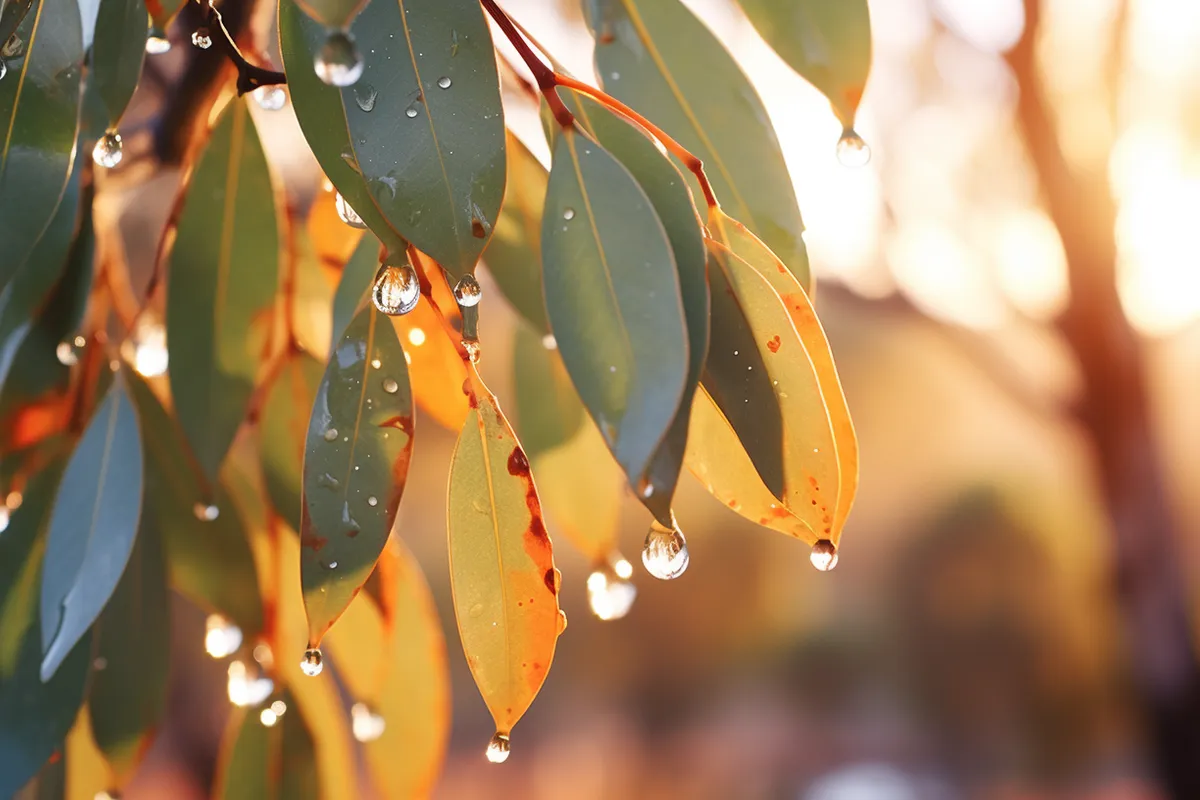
(612, 290)
(644, 34)
(225, 256)
(362, 397)
(37, 19)
(412, 54)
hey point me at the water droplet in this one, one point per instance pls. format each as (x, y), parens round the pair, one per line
(330, 434)
(498, 748)
(390, 386)
(467, 291)
(665, 554)
(416, 337)
(396, 290)
(411, 112)
(67, 352)
(206, 512)
(150, 357)
(270, 98)
(339, 63)
(646, 488)
(569, 213)
(372, 501)
(246, 685)
(157, 42)
(347, 214)
(221, 637)
(13, 48)
(269, 716)
(327, 481)
(824, 555)
(108, 150)
(201, 38)
(474, 351)
(610, 592)
(549, 342)
(311, 665)
(365, 96)
(444, 82)
(3, 69)
(852, 151)
(367, 725)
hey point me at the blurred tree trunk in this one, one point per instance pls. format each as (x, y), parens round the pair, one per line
(1114, 413)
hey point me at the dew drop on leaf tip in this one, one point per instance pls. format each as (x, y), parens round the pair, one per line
(468, 292)
(498, 748)
(824, 555)
(852, 150)
(108, 150)
(610, 592)
(338, 62)
(665, 554)
(396, 290)
(221, 637)
(366, 724)
(201, 38)
(311, 664)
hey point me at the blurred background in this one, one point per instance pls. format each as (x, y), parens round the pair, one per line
(1012, 289)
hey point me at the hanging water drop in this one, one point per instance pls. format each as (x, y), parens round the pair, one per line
(396, 290)
(330, 434)
(347, 214)
(365, 96)
(108, 150)
(206, 512)
(270, 98)
(665, 554)
(610, 592)
(338, 63)
(201, 38)
(311, 665)
(366, 724)
(390, 386)
(221, 637)
(852, 151)
(157, 42)
(444, 82)
(824, 555)
(247, 686)
(468, 292)
(498, 748)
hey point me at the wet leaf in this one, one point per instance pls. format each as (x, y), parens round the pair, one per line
(657, 57)
(513, 257)
(333, 14)
(117, 53)
(355, 281)
(355, 464)
(612, 292)
(829, 44)
(548, 411)
(418, 140)
(92, 526)
(39, 114)
(393, 661)
(221, 287)
(209, 561)
(283, 428)
(128, 696)
(261, 762)
(34, 716)
(502, 571)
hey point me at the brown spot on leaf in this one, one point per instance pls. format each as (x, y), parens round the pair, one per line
(399, 422)
(313, 542)
(774, 344)
(518, 464)
(551, 579)
(477, 229)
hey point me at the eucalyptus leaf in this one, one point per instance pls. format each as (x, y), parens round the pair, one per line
(118, 52)
(356, 279)
(283, 426)
(275, 762)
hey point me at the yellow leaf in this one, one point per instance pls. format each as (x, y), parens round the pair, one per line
(87, 772)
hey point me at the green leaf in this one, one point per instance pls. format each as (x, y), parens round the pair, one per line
(34, 716)
(117, 53)
(829, 44)
(221, 287)
(420, 136)
(92, 526)
(209, 561)
(668, 192)
(133, 637)
(548, 411)
(613, 296)
(11, 14)
(502, 571)
(49, 784)
(355, 464)
(260, 762)
(657, 57)
(357, 276)
(39, 114)
(333, 14)
(283, 426)
(513, 257)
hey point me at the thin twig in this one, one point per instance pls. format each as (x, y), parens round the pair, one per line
(250, 77)
(544, 76)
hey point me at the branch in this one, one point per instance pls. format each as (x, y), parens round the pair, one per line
(544, 76)
(250, 77)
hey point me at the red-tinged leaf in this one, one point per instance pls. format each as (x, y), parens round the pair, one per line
(502, 571)
(283, 428)
(355, 464)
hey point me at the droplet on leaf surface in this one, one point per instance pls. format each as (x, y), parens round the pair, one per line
(311, 664)
(108, 150)
(824, 555)
(665, 554)
(365, 96)
(390, 386)
(498, 748)
(852, 151)
(338, 62)
(396, 290)
(201, 38)
(467, 291)
(610, 592)
(444, 82)
(347, 214)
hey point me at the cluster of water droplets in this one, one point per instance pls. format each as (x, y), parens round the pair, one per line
(610, 591)
(338, 62)
(852, 150)
(366, 724)
(396, 289)
(109, 150)
(665, 554)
